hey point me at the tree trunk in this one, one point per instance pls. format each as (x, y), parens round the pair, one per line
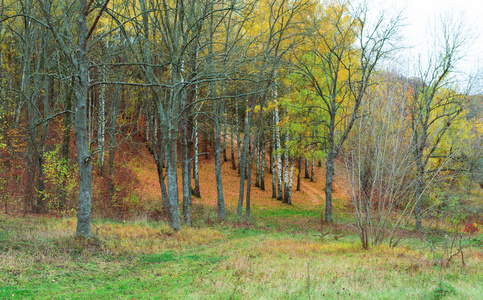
(289, 200)
(84, 159)
(238, 140)
(196, 161)
(172, 177)
(112, 141)
(312, 169)
(307, 176)
(159, 166)
(419, 194)
(279, 156)
(298, 173)
(243, 160)
(249, 181)
(219, 184)
(272, 165)
(285, 171)
(257, 174)
(225, 159)
(101, 124)
(185, 172)
(262, 173)
(170, 133)
(67, 127)
(329, 174)
(31, 109)
(233, 164)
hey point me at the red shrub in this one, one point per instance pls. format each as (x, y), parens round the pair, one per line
(470, 228)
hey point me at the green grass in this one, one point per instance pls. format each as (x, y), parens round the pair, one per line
(40, 259)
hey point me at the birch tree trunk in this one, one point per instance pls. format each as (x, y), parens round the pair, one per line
(196, 161)
(298, 172)
(101, 123)
(278, 155)
(286, 168)
(273, 164)
(289, 200)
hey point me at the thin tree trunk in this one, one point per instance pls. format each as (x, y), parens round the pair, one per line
(273, 164)
(238, 140)
(185, 173)
(262, 173)
(67, 127)
(279, 156)
(41, 148)
(257, 174)
(307, 176)
(196, 163)
(329, 173)
(243, 160)
(219, 185)
(270, 150)
(158, 153)
(249, 181)
(224, 136)
(286, 168)
(26, 91)
(101, 124)
(289, 200)
(233, 164)
(312, 169)
(298, 173)
(419, 195)
(159, 166)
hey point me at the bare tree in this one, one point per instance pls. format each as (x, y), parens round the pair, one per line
(332, 53)
(77, 55)
(378, 161)
(433, 109)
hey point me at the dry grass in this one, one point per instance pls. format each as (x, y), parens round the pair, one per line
(143, 260)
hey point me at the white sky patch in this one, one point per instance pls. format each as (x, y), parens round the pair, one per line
(421, 16)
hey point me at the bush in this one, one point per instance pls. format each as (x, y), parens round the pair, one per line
(61, 184)
(116, 197)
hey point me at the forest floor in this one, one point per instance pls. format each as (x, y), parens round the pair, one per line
(285, 253)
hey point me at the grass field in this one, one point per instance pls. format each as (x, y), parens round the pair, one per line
(40, 259)
(283, 254)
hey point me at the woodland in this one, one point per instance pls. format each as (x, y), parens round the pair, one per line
(238, 149)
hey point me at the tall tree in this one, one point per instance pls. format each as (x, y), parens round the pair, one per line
(77, 55)
(433, 108)
(338, 72)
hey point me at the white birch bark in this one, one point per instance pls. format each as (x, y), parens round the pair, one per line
(278, 154)
(289, 200)
(101, 122)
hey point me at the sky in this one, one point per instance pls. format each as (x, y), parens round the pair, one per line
(420, 17)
